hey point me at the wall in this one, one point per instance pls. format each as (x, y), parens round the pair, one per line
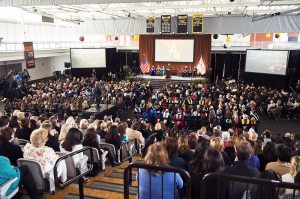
(44, 67)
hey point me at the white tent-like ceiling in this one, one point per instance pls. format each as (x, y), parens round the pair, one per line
(81, 10)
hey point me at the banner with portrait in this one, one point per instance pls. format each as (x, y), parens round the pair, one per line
(29, 55)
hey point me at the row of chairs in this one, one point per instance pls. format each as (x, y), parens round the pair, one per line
(46, 182)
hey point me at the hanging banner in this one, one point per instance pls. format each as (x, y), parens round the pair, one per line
(165, 23)
(29, 55)
(182, 23)
(197, 23)
(150, 22)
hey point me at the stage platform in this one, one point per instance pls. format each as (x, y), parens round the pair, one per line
(105, 109)
(159, 81)
(173, 78)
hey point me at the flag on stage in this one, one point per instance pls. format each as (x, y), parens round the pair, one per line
(144, 66)
(201, 67)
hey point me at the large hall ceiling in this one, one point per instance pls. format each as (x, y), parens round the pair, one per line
(80, 10)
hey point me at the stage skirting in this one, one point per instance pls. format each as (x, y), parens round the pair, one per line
(173, 78)
(105, 109)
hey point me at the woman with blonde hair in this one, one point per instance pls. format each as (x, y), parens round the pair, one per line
(63, 132)
(294, 170)
(151, 182)
(37, 150)
(218, 143)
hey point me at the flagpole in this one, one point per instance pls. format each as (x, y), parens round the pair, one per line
(224, 70)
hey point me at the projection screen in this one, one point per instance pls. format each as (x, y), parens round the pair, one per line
(88, 58)
(267, 61)
(174, 50)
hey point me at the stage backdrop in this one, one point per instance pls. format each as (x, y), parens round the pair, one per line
(202, 47)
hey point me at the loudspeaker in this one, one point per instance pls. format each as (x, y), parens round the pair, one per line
(67, 65)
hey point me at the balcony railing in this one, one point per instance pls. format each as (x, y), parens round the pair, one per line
(49, 45)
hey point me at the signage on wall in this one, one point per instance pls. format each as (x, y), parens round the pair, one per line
(197, 23)
(150, 22)
(29, 55)
(182, 23)
(166, 24)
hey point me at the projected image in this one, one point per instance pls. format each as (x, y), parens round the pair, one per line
(264, 61)
(174, 50)
(88, 58)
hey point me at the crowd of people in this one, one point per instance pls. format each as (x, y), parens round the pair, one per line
(229, 104)
(76, 95)
(240, 153)
(199, 128)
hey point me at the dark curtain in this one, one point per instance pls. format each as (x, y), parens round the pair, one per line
(226, 65)
(294, 67)
(270, 81)
(202, 47)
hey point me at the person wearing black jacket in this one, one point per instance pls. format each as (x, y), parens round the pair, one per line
(52, 141)
(90, 139)
(24, 132)
(12, 151)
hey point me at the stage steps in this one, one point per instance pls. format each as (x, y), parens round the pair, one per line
(107, 184)
(159, 83)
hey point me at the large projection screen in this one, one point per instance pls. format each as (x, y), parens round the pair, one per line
(174, 50)
(267, 61)
(88, 58)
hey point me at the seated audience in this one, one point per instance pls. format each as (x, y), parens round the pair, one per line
(294, 170)
(282, 165)
(184, 150)
(72, 143)
(23, 174)
(217, 143)
(12, 151)
(113, 137)
(37, 150)
(52, 141)
(171, 146)
(241, 168)
(172, 182)
(90, 139)
(212, 162)
(25, 131)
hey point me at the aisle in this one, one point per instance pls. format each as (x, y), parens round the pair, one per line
(108, 184)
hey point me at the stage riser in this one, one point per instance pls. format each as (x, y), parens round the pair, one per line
(157, 83)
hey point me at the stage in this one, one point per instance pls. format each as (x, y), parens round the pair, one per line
(105, 109)
(173, 78)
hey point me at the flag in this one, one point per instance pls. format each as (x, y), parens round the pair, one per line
(144, 66)
(201, 67)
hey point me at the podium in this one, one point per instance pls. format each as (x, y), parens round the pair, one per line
(168, 73)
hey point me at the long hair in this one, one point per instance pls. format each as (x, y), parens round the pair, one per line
(157, 155)
(196, 162)
(269, 152)
(90, 136)
(72, 138)
(213, 161)
(171, 145)
(113, 133)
